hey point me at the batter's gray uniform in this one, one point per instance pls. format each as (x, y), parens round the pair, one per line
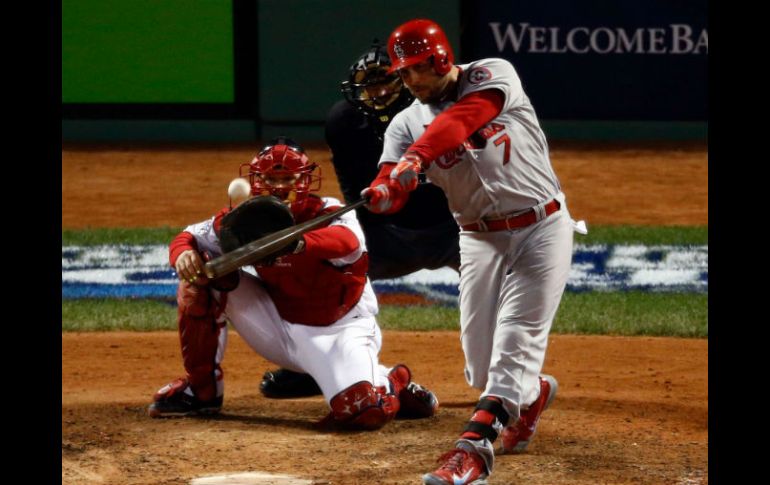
(511, 281)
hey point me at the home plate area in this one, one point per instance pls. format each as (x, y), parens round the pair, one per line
(254, 478)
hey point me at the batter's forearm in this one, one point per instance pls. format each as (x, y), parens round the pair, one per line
(455, 125)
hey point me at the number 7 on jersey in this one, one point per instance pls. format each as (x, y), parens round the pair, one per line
(504, 138)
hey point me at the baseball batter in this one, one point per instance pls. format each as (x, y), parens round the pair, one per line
(311, 309)
(474, 133)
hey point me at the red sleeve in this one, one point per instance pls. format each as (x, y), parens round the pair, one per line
(330, 242)
(453, 126)
(384, 174)
(218, 219)
(181, 243)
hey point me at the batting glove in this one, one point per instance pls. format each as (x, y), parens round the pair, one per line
(406, 171)
(379, 198)
(385, 197)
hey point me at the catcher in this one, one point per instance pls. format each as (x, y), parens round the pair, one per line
(421, 235)
(309, 309)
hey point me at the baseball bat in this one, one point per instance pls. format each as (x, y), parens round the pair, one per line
(265, 246)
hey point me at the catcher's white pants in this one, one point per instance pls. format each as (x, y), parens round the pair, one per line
(511, 283)
(337, 356)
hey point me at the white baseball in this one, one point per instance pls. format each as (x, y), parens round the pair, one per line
(238, 190)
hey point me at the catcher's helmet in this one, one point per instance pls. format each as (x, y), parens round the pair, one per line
(282, 169)
(374, 91)
(418, 40)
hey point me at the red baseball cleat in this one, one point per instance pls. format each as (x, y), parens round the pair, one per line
(459, 467)
(516, 437)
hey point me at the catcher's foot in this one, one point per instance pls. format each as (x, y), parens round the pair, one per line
(415, 400)
(177, 399)
(516, 437)
(283, 383)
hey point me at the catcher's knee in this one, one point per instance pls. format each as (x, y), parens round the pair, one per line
(363, 406)
(198, 302)
(194, 301)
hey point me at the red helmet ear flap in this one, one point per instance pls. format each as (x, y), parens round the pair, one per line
(441, 64)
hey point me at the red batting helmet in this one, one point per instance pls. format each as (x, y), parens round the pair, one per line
(283, 169)
(416, 41)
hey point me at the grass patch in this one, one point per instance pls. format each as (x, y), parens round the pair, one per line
(685, 235)
(393, 317)
(595, 313)
(669, 235)
(621, 313)
(96, 237)
(633, 313)
(94, 315)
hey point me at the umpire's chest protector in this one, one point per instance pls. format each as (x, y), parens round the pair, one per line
(312, 291)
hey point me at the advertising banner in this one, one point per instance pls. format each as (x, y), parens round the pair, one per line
(599, 60)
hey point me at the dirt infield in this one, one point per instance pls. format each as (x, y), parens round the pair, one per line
(629, 410)
(614, 420)
(652, 184)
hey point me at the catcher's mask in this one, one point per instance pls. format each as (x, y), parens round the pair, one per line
(282, 169)
(372, 90)
(420, 40)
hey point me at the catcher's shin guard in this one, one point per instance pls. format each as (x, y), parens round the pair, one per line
(199, 337)
(363, 406)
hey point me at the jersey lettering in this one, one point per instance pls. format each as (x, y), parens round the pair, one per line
(452, 158)
(490, 130)
(478, 140)
(507, 141)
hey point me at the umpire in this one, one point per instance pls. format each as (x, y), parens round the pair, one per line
(423, 235)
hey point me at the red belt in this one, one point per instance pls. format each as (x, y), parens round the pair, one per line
(515, 222)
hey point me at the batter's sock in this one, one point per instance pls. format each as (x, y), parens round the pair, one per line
(488, 420)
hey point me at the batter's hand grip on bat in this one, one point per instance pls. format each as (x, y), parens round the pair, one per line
(270, 244)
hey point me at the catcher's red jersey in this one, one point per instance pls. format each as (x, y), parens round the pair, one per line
(310, 290)
(317, 286)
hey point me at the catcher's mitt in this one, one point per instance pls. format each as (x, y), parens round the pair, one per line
(254, 219)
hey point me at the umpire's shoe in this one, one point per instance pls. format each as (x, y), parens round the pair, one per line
(283, 383)
(177, 399)
(516, 437)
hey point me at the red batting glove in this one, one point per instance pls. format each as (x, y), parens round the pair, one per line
(379, 198)
(406, 171)
(385, 197)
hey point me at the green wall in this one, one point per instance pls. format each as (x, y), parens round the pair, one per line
(306, 47)
(171, 52)
(147, 51)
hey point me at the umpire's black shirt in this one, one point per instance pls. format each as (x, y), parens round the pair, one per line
(356, 150)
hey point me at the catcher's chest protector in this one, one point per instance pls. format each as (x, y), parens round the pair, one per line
(312, 291)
